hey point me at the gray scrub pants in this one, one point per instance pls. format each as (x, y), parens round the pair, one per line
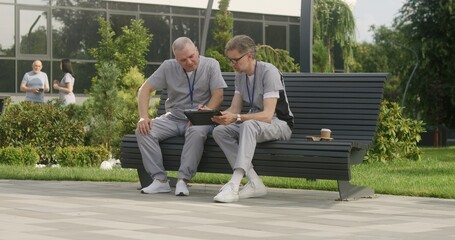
(238, 141)
(167, 126)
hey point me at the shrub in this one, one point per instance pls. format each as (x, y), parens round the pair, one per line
(81, 156)
(41, 126)
(11, 156)
(30, 155)
(396, 137)
(18, 156)
(278, 57)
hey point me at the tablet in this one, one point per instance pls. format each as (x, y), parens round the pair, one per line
(202, 117)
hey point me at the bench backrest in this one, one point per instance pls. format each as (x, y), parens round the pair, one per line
(348, 104)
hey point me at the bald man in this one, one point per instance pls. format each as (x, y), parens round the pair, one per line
(35, 83)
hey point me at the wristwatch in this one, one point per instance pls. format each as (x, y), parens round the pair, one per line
(239, 119)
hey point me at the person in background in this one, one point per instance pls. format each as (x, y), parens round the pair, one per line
(35, 83)
(260, 86)
(65, 86)
(192, 82)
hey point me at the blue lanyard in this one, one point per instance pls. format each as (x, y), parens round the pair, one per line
(191, 86)
(251, 98)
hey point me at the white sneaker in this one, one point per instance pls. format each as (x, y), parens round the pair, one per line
(157, 187)
(227, 194)
(253, 189)
(181, 188)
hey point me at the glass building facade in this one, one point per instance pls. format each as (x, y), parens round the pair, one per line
(50, 30)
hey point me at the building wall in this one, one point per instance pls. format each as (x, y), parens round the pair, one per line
(54, 29)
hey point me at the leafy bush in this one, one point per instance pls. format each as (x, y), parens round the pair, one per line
(42, 126)
(278, 57)
(224, 63)
(11, 156)
(18, 156)
(30, 155)
(396, 137)
(81, 156)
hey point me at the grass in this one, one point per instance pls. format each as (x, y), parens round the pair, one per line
(433, 176)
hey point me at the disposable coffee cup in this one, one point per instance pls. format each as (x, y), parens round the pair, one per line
(326, 133)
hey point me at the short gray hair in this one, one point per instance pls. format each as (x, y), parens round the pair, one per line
(180, 43)
(241, 43)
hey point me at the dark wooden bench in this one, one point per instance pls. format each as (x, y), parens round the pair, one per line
(348, 104)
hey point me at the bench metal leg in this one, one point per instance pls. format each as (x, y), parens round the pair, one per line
(144, 177)
(350, 192)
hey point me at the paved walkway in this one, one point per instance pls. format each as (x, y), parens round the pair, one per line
(54, 210)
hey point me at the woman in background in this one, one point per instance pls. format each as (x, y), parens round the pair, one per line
(65, 86)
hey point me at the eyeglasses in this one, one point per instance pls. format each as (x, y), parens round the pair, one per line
(235, 60)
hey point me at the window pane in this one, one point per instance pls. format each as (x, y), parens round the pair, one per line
(186, 11)
(294, 19)
(33, 32)
(294, 42)
(252, 29)
(154, 8)
(26, 66)
(119, 21)
(247, 15)
(149, 70)
(210, 40)
(7, 83)
(74, 32)
(276, 18)
(160, 45)
(34, 2)
(7, 47)
(123, 6)
(188, 27)
(83, 74)
(80, 3)
(275, 36)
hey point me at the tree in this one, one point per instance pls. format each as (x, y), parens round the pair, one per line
(320, 57)
(278, 57)
(224, 24)
(334, 26)
(385, 54)
(430, 31)
(78, 29)
(105, 106)
(128, 114)
(126, 50)
(34, 42)
(113, 95)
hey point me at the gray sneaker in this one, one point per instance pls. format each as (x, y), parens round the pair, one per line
(157, 187)
(253, 189)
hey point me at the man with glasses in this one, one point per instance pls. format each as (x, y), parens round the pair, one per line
(192, 82)
(260, 86)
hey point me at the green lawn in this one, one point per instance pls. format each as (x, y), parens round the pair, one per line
(434, 176)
